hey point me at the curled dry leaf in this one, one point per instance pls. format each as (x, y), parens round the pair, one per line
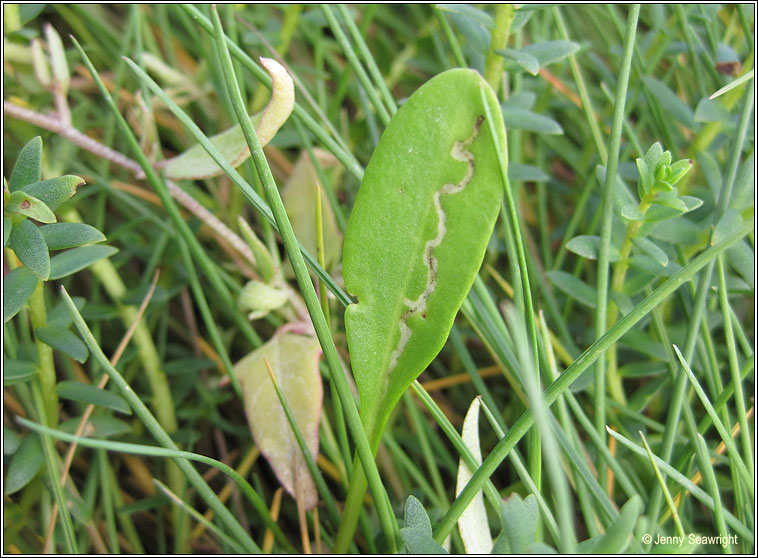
(195, 163)
(294, 361)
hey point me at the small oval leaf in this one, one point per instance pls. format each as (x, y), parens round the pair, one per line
(30, 247)
(87, 393)
(18, 286)
(77, 259)
(28, 167)
(69, 235)
(25, 464)
(55, 191)
(63, 340)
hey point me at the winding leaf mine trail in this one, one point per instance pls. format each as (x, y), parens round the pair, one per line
(459, 152)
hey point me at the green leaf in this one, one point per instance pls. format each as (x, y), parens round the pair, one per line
(258, 299)
(618, 535)
(25, 464)
(28, 166)
(17, 371)
(742, 258)
(522, 119)
(76, 259)
(28, 244)
(652, 265)
(527, 61)
(55, 191)
(743, 192)
(526, 173)
(24, 204)
(294, 362)
(730, 221)
(575, 288)
(196, 163)
(473, 525)
(418, 542)
(18, 286)
(11, 441)
(470, 12)
(69, 235)
(87, 393)
(651, 249)
(416, 517)
(519, 523)
(63, 340)
(646, 177)
(7, 228)
(672, 105)
(417, 235)
(676, 231)
(98, 426)
(61, 74)
(589, 247)
(711, 111)
(548, 52)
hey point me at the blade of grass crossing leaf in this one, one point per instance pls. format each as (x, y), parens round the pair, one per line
(157, 430)
(318, 478)
(603, 264)
(584, 361)
(389, 525)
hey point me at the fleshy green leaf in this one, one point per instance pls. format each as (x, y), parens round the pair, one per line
(22, 203)
(574, 287)
(7, 228)
(11, 441)
(416, 517)
(548, 52)
(18, 286)
(63, 340)
(55, 191)
(294, 362)
(650, 248)
(730, 221)
(473, 525)
(16, 371)
(98, 426)
(417, 533)
(28, 166)
(76, 259)
(742, 258)
(618, 535)
(25, 464)
(527, 61)
(589, 247)
(69, 235)
(522, 119)
(519, 524)
(526, 173)
(30, 247)
(259, 298)
(196, 163)
(417, 235)
(708, 110)
(87, 393)
(672, 105)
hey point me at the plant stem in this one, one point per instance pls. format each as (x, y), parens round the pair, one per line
(494, 63)
(47, 376)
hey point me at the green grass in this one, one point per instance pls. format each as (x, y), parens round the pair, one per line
(615, 380)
